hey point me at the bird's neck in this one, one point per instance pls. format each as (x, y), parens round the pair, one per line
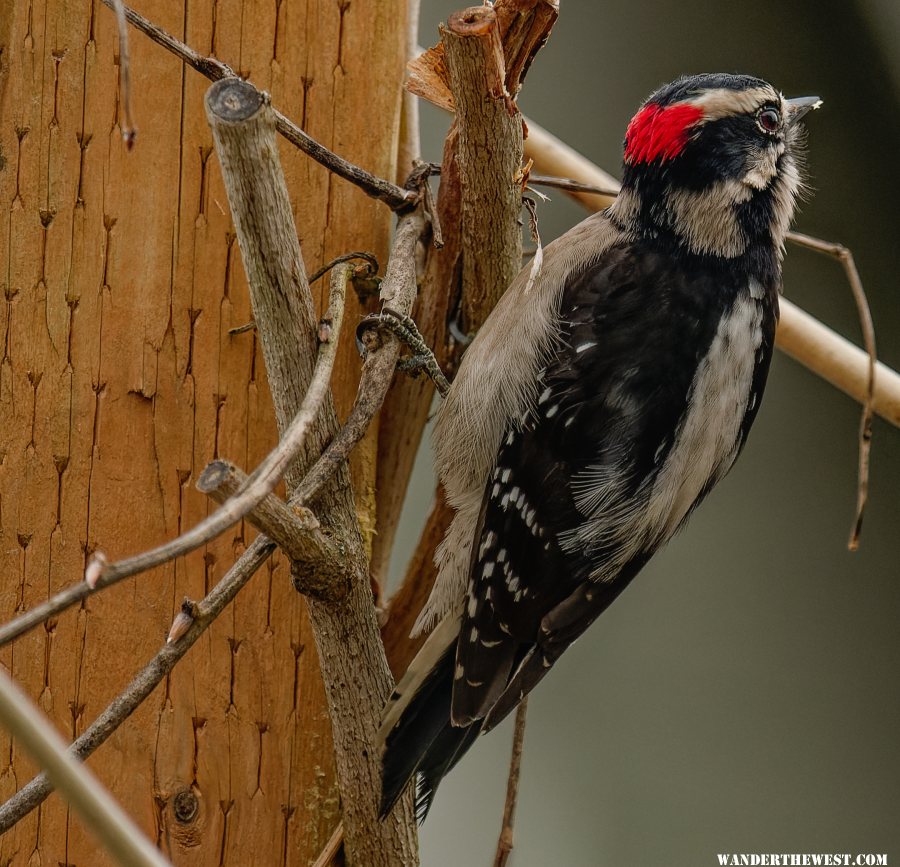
(728, 222)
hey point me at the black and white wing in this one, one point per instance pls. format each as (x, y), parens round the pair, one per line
(646, 397)
(567, 518)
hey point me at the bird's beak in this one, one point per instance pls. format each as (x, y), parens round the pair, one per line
(800, 106)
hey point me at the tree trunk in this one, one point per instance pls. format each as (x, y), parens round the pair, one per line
(119, 381)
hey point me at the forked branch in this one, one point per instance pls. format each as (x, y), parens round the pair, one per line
(154, 672)
(260, 484)
(378, 188)
(378, 371)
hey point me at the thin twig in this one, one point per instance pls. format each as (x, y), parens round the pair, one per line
(378, 188)
(262, 481)
(129, 131)
(570, 186)
(845, 257)
(347, 257)
(378, 372)
(241, 329)
(332, 847)
(437, 234)
(567, 184)
(505, 842)
(96, 807)
(380, 364)
(538, 260)
(405, 328)
(153, 673)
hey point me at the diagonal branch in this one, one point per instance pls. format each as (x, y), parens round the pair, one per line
(262, 482)
(378, 188)
(99, 811)
(130, 699)
(378, 371)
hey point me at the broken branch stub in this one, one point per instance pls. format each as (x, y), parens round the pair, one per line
(354, 669)
(296, 531)
(242, 123)
(489, 159)
(524, 27)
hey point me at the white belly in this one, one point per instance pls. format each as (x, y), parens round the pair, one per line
(708, 439)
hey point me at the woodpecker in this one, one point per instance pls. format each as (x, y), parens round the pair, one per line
(598, 405)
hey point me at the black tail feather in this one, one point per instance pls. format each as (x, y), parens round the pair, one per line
(424, 743)
(443, 754)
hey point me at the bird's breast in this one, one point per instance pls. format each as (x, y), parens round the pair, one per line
(709, 434)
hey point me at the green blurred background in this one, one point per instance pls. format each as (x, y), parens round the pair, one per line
(742, 695)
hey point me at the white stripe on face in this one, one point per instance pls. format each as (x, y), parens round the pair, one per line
(723, 102)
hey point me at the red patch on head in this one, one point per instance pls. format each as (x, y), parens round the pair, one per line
(659, 133)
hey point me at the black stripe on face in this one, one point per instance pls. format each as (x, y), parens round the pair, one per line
(723, 149)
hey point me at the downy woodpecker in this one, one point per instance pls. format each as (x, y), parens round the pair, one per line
(597, 408)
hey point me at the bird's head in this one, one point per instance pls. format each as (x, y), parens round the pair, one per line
(712, 164)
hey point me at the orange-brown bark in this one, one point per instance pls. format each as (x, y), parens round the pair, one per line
(119, 381)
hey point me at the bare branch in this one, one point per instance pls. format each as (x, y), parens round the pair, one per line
(571, 186)
(153, 673)
(406, 408)
(505, 843)
(378, 188)
(33, 731)
(371, 266)
(431, 209)
(409, 143)
(295, 530)
(554, 157)
(489, 158)
(261, 482)
(566, 184)
(381, 361)
(332, 847)
(845, 257)
(354, 669)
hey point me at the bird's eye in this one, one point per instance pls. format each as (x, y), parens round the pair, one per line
(769, 119)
